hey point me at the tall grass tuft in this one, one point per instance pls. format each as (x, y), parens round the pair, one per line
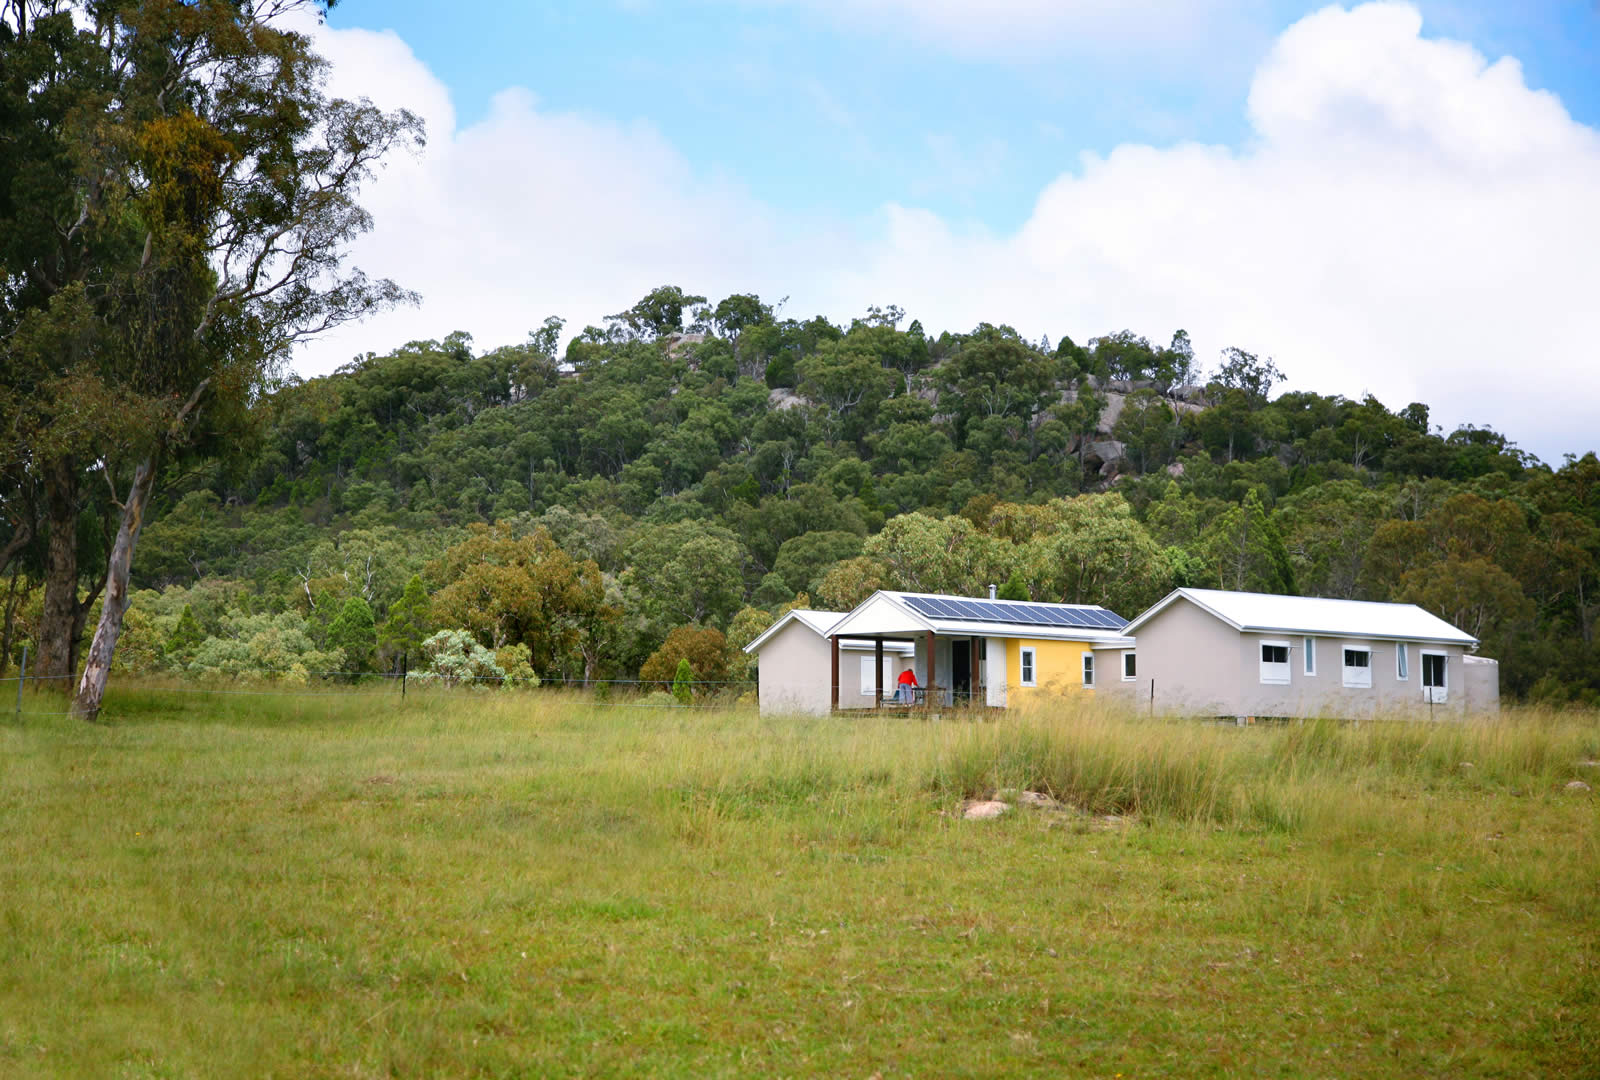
(1274, 776)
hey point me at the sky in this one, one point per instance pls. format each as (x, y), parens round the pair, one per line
(1400, 199)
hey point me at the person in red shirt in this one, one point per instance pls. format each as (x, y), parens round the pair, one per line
(908, 683)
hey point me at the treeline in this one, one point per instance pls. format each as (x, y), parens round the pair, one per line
(659, 491)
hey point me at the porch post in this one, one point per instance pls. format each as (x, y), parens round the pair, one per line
(877, 673)
(929, 695)
(834, 641)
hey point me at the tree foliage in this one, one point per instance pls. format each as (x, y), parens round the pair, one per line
(590, 507)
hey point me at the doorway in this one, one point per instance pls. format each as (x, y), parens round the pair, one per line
(960, 672)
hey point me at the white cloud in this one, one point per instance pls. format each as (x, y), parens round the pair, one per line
(529, 213)
(1407, 218)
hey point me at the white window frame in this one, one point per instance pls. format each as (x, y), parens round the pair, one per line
(866, 674)
(1402, 661)
(1436, 694)
(1088, 670)
(1275, 674)
(1028, 665)
(1362, 680)
(1309, 665)
(1130, 654)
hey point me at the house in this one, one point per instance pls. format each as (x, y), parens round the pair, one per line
(975, 651)
(796, 657)
(1211, 652)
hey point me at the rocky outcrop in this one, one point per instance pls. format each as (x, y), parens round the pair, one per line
(1053, 811)
(780, 398)
(1104, 452)
(1111, 413)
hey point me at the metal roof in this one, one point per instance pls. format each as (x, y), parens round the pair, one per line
(1313, 615)
(889, 612)
(1084, 616)
(820, 622)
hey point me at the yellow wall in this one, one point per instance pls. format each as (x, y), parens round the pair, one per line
(1058, 665)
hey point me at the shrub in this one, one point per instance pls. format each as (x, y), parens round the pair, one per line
(683, 682)
(454, 656)
(515, 661)
(706, 650)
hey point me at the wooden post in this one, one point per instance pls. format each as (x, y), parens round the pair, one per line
(933, 658)
(22, 677)
(405, 657)
(835, 700)
(877, 673)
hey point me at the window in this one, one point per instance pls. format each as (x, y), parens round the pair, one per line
(1088, 669)
(866, 675)
(1357, 666)
(1435, 676)
(1130, 668)
(1275, 662)
(1310, 647)
(1030, 675)
(1402, 662)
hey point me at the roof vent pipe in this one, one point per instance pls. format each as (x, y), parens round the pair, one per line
(991, 592)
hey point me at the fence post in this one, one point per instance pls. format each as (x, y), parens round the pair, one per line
(22, 677)
(1152, 696)
(405, 659)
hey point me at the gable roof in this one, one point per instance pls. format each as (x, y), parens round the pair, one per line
(1314, 615)
(819, 622)
(890, 612)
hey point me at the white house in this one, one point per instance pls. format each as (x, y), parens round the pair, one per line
(1206, 651)
(963, 651)
(795, 661)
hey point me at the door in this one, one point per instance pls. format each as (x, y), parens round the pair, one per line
(961, 671)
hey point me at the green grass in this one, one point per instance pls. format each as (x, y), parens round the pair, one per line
(525, 885)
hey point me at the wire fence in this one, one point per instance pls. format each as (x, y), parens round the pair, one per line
(267, 682)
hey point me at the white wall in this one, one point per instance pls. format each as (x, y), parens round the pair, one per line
(795, 668)
(795, 671)
(1200, 665)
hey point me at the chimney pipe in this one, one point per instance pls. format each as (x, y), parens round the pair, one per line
(991, 592)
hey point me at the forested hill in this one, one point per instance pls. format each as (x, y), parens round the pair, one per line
(714, 461)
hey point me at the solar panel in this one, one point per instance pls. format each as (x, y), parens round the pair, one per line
(990, 612)
(1067, 615)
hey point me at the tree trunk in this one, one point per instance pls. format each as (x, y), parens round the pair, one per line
(10, 629)
(58, 621)
(92, 688)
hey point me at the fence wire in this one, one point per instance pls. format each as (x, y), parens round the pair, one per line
(398, 684)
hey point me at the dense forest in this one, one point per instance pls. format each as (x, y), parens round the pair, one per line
(657, 492)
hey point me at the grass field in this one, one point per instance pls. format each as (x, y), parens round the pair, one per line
(522, 885)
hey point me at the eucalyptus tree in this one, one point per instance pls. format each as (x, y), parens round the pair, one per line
(178, 197)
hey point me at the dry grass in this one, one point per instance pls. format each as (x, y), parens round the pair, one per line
(515, 885)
